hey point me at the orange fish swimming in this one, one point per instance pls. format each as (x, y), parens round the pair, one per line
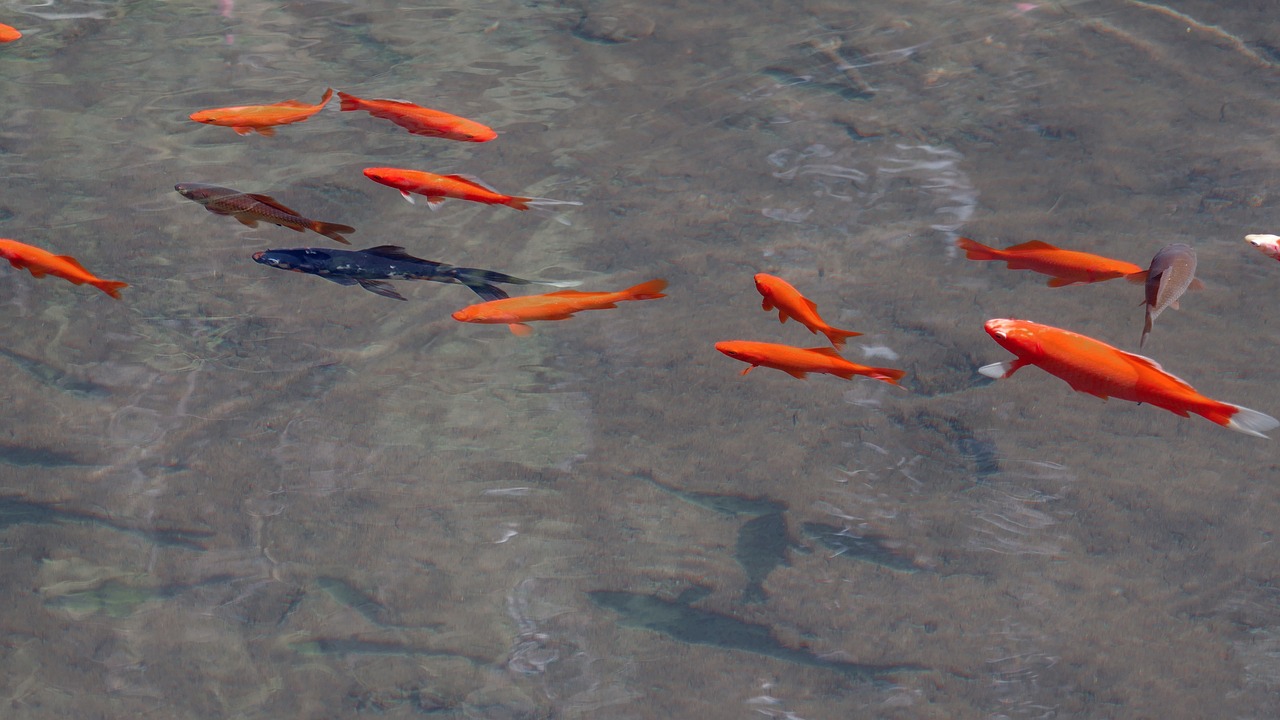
(250, 208)
(261, 119)
(435, 188)
(42, 262)
(1093, 367)
(1067, 267)
(780, 294)
(799, 362)
(8, 34)
(515, 312)
(419, 120)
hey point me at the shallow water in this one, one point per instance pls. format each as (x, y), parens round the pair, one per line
(242, 493)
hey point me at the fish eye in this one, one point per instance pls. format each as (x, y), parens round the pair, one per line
(1001, 335)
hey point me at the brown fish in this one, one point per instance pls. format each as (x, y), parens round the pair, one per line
(1172, 271)
(249, 208)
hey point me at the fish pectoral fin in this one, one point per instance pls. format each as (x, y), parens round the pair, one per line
(246, 220)
(434, 202)
(749, 369)
(244, 130)
(520, 329)
(766, 305)
(1195, 284)
(405, 194)
(797, 374)
(1060, 282)
(380, 287)
(1001, 370)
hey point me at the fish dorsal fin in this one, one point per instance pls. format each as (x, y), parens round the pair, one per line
(1030, 245)
(812, 305)
(473, 181)
(72, 261)
(1147, 362)
(397, 101)
(567, 293)
(294, 104)
(272, 202)
(391, 252)
(826, 350)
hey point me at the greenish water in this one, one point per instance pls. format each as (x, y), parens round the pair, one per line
(245, 493)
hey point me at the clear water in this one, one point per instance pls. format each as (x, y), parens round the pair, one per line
(243, 493)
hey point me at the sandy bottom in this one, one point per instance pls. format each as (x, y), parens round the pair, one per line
(243, 493)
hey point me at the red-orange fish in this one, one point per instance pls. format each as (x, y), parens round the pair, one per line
(799, 362)
(8, 34)
(1094, 367)
(515, 312)
(261, 119)
(780, 294)
(42, 262)
(435, 188)
(1067, 267)
(419, 120)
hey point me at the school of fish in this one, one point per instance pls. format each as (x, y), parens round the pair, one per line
(1087, 365)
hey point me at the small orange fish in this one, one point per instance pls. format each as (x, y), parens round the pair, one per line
(261, 119)
(560, 305)
(799, 362)
(42, 262)
(461, 187)
(8, 34)
(249, 208)
(1093, 367)
(419, 120)
(780, 294)
(1067, 267)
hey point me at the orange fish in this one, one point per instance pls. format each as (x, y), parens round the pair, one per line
(1093, 367)
(1068, 267)
(261, 119)
(780, 294)
(560, 305)
(8, 34)
(799, 362)
(461, 187)
(419, 120)
(42, 262)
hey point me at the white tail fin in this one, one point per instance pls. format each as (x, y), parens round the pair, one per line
(1252, 422)
(559, 283)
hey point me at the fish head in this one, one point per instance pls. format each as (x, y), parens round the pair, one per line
(386, 176)
(764, 284)
(303, 260)
(740, 350)
(1268, 244)
(478, 134)
(1017, 336)
(199, 192)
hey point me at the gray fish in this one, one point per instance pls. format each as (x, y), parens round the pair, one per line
(55, 378)
(1172, 271)
(703, 627)
(867, 547)
(762, 546)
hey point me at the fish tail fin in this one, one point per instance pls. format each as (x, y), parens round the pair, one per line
(838, 336)
(541, 206)
(348, 102)
(333, 231)
(324, 99)
(975, 250)
(1242, 419)
(651, 290)
(111, 287)
(1137, 277)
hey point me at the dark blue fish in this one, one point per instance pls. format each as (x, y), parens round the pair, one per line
(371, 267)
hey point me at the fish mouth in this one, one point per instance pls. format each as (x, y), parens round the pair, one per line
(260, 256)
